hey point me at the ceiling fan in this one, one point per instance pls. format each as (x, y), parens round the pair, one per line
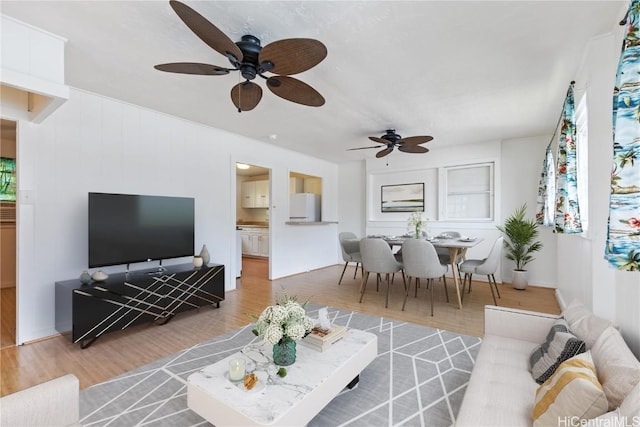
(281, 58)
(391, 139)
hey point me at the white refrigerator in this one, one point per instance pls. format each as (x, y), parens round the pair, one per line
(304, 207)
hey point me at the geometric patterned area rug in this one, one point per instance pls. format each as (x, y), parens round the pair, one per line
(418, 379)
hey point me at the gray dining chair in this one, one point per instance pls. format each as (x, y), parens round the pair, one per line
(487, 266)
(350, 247)
(421, 261)
(377, 257)
(443, 253)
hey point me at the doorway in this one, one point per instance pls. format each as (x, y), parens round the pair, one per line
(253, 184)
(8, 191)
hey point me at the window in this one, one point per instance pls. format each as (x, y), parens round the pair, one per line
(468, 192)
(582, 154)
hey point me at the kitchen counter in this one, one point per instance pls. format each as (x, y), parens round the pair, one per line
(310, 222)
(249, 224)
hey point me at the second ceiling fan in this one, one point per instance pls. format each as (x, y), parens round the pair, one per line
(392, 140)
(281, 58)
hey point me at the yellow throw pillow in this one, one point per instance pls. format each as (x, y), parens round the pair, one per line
(573, 392)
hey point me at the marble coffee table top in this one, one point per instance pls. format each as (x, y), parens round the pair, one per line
(311, 382)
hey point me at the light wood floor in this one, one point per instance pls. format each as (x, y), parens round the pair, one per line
(118, 352)
(7, 317)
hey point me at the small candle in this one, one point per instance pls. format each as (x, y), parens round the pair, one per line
(236, 370)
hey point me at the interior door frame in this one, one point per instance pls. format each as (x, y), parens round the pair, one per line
(234, 213)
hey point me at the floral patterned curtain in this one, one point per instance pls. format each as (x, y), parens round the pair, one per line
(546, 190)
(623, 232)
(567, 217)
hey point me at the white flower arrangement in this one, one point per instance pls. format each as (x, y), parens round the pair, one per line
(285, 320)
(416, 223)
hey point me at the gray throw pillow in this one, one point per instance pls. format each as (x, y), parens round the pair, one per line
(559, 346)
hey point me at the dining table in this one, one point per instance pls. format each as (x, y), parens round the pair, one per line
(457, 247)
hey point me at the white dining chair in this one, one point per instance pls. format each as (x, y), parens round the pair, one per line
(378, 258)
(487, 266)
(420, 261)
(350, 246)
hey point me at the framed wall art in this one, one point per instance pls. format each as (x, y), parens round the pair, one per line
(402, 198)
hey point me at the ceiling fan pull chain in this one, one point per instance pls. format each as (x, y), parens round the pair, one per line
(239, 92)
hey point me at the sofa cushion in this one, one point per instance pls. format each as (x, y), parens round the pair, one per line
(501, 389)
(618, 369)
(559, 346)
(584, 324)
(612, 418)
(630, 406)
(572, 391)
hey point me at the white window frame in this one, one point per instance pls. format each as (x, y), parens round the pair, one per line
(445, 192)
(582, 160)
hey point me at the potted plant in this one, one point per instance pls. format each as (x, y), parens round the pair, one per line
(520, 243)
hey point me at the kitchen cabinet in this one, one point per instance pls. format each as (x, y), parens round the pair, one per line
(262, 194)
(255, 241)
(255, 194)
(263, 244)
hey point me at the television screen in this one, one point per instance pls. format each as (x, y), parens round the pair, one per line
(125, 228)
(7, 179)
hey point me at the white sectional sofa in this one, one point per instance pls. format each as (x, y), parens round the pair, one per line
(502, 391)
(52, 403)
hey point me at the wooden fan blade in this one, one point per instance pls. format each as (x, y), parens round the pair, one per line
(293, 56)
(295, 90)
(208, 33)
(412, 148)
(192, 68)
(246, 95)
(384, 152)
(414, 140)
(362, 148)
(380, 140)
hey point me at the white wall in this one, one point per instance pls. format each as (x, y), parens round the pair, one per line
(403, 168)
(582, 271)
(352, 198)
(32, 71)
(521, 167)
(97, 144)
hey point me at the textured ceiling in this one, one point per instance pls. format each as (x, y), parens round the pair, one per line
(460, 71)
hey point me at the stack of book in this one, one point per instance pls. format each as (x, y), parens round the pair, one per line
(321, 339)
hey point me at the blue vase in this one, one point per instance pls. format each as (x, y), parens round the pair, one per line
(284, 352)
(85, 277)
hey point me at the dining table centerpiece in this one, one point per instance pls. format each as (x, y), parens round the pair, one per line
(416, 224)
(281, 325)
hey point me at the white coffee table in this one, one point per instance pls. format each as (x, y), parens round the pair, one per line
(310, 384)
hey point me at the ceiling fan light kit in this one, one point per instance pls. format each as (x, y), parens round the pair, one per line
(281, 58)
(392, 140)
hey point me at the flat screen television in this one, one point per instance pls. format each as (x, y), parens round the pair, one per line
(127, 228)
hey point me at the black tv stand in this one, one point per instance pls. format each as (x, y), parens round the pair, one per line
(127, 299)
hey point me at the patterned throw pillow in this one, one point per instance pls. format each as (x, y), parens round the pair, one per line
(559, 346)
(572, 392)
